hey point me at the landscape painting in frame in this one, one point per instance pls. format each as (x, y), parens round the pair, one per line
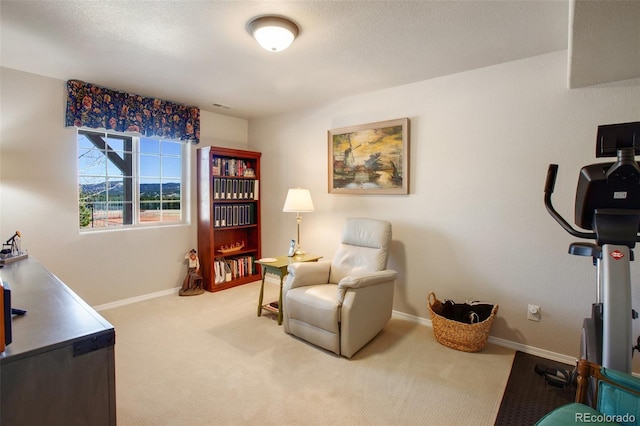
(370, 158)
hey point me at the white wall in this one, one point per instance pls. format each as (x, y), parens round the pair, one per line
(474, 225)
(38, 197)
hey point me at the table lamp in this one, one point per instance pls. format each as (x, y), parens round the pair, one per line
(298, 200)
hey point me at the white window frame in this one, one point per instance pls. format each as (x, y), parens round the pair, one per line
(136, 223)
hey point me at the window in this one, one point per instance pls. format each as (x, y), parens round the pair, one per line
(128, 181)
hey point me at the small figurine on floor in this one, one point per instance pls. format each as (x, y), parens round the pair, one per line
(192, 284)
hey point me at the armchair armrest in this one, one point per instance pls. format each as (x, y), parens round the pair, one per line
(365, 280)
(307, 273)
(357, 281)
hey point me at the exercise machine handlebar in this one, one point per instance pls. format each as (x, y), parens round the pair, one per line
(552, 173)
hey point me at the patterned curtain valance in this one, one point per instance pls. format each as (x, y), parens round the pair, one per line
(96, 107)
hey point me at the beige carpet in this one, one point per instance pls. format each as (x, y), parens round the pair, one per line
(209, 360)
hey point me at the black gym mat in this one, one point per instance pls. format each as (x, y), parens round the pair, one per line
(527, 397)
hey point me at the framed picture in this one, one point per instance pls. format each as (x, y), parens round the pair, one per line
(370, 158)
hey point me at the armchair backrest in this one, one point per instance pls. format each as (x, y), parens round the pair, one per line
(364, 247)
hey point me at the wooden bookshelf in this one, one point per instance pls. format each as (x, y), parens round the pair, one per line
(228, 216)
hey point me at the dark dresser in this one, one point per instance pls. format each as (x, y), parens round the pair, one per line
(60, 367)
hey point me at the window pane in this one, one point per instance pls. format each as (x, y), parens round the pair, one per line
(99, 215)
(113, 170)
(115, 144)
(102, 215)
(150, 212)
(149, 200)
(170, 190)
(171, 167)
(92, 189)
(149, 189)
(149, 146)
(115, 191)
(114, 214)
(147, 207)
(172, 211)
(91, 180)
(172, 175)
(84, 142)
(86, 215)
(171, 148)
(150, 165)
(91, 162)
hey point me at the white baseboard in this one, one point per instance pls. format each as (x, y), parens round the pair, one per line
(143, 297)
(136, 299)
(566, 359)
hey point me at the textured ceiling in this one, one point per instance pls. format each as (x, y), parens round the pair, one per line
(200, 53)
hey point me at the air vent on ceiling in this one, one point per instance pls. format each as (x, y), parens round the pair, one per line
(217, 105)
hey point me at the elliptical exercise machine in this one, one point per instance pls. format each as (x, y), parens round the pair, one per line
(607, 203)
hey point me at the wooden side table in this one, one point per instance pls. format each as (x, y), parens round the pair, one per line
(279, 267)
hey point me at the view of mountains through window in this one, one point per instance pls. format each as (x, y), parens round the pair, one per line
(127, 181)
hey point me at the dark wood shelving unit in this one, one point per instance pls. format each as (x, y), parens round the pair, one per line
(228, 214)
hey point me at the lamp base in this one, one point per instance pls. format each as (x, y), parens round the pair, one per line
(299, 252)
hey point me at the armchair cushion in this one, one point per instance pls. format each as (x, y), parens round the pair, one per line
(317, 304)
(364, 248)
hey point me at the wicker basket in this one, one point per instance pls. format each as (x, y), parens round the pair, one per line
(459, 335)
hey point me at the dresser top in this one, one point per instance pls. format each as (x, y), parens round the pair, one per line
(55, 317)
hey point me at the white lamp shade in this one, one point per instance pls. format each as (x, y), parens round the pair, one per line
(273, 33)
(298, 200)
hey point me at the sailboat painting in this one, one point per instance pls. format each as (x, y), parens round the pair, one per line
(370, 158)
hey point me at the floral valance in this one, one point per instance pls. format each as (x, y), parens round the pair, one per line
(96, 107)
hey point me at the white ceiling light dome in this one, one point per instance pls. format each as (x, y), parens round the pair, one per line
(274, 33)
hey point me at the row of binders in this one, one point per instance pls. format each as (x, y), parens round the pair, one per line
(231, 167)
(235, 189)
(230, 269)
(234, 215)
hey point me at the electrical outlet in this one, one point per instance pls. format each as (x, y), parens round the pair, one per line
(533, 313)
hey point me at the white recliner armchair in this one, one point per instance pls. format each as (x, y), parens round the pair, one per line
(341, 305)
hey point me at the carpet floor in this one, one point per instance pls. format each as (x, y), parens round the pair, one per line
(527, 397)
(209, 360)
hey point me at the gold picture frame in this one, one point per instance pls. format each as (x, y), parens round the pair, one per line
(370, 158)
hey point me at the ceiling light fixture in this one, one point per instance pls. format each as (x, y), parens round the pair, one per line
(274, 33)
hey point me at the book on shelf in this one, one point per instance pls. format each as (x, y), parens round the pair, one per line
(235, 189)
(234, 215)
(235, 167)
(233, 268)
(222, 271)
